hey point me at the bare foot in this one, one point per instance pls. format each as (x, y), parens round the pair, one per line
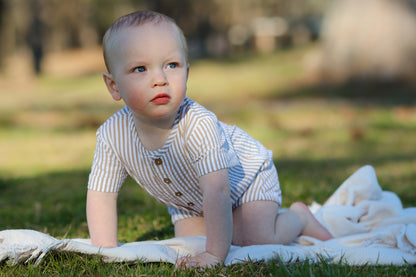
(312, 227)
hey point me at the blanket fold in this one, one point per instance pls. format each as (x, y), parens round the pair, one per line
(369, 225)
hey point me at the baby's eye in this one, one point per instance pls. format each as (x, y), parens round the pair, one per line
(172, 65)
(139, 69)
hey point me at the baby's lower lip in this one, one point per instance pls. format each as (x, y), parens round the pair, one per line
(161, 99)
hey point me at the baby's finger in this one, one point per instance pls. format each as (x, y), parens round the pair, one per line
(183, 262)
(186, 262)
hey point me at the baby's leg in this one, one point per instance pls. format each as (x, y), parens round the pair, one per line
(188, 227)
(255, 223)
(311, 226)
(258, 222)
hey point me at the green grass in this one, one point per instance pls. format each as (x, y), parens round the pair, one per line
(319, 135)
(65, 264)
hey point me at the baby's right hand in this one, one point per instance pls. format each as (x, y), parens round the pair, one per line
(203, 259)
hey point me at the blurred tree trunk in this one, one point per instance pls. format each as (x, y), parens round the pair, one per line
(44, 26)
(36, 36)
(2, 36)
(5, 31)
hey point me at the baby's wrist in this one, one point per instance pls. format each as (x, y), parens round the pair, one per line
(218, 251)
(214, 258)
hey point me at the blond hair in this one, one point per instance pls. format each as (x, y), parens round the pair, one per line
(135, 19)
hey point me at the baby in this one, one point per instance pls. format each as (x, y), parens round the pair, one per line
(216, 180)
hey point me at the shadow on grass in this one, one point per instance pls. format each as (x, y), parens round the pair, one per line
(377, 145)
(360, 93)
(55, 202)
(306, 180)
(157, 234)
(49, 202)
(74, 117)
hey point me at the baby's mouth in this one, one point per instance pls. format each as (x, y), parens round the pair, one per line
(162, 98)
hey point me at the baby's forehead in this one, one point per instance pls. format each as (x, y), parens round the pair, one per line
(151, 26)
(115, 42)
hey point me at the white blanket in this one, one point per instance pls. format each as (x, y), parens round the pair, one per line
(370, 226)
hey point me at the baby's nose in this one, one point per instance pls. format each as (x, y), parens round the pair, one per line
(159, 79)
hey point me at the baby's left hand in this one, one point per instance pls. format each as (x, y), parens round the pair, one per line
(203, 259)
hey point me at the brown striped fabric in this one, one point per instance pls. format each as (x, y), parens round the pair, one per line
(197, 145)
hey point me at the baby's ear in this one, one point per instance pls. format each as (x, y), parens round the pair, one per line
(111, 86)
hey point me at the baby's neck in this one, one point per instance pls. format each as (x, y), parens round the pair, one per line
(153, 136)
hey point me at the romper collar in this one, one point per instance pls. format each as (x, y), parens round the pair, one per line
(161, 151)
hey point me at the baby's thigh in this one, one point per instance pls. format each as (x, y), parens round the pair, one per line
(254, 223)
(191, 226)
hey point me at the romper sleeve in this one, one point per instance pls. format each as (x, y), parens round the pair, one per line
(107, 171)
(209, 147)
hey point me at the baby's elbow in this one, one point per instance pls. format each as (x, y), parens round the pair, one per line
(222, 190)
(216, 183)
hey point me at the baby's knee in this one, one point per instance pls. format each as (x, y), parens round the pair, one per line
(298, 206)
(302, 211)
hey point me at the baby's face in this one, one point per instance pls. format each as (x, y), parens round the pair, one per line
(149, 68)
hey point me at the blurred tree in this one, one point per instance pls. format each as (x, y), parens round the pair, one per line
(36, 35)
(371, 41)
(69, 24)
(104, 12)
(2, 37)
(50, 25)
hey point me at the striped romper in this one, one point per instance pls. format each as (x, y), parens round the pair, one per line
(197, 145)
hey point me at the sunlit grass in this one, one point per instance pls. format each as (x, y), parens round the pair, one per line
(239, 80)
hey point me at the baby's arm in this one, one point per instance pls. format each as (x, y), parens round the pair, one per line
(218, 220)
(217, 212)
(102, 218)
